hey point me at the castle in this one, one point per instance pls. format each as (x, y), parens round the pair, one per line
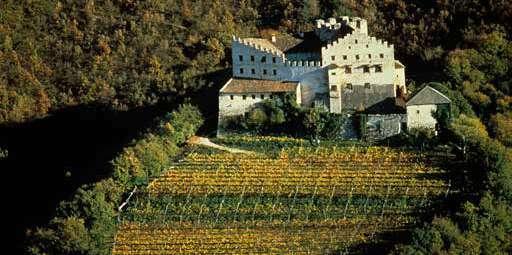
(337, 67)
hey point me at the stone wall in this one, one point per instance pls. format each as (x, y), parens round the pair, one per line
(382, 126)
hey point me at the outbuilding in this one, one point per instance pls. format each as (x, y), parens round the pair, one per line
(422, 107)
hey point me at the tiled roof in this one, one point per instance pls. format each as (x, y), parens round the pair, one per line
(263, 43)
(428, 95)
(240, 86)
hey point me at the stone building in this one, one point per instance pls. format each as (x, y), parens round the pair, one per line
(422, 106)
(337, 66)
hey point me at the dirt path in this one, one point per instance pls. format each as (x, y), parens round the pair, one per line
(206, 142)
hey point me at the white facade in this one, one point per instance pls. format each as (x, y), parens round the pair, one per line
(421, 116)
(341, 54)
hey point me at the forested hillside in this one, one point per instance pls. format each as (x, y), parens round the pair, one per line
(130, 61)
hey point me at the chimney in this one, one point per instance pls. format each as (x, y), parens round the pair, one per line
(273, 38)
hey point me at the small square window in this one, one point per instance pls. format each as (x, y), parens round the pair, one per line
(367, 46)
(370, 56)
(264, 71)
(241, 58)
(333, 58)
(349, 85)
(333, 73)
(344, 57)
(271, 96)
(262, 96)
(253, 96)
(252, 58)
(264, 59)
(349, 47)
(381, 55)
(348, 69)
(274, 72)
(366, 69)
(357, 57)
(253, 71)
(232, 97)
(241, 70)
(367, 85)
(378, 69)
(244, 97)
(417, 111)
(334, 88)
(274, 60)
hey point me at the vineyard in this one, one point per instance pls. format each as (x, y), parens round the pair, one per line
(287, 197)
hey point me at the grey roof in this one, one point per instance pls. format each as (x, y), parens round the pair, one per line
(377, 98)
(428, 95)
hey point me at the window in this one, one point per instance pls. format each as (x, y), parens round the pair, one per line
(358, 24)
(333, 58)
(241, 71)
(253, 71)
(274, 72)
(349, 85)
(253, 96)
(357, 57)
(367, 85)
(252, 58)
(378, 69)
(349, 47)
(366, 69)
(264, 71)
(241, 58)
(344, 57)
(381, 55)
(348, 69)
(333, 88)
(244, 97)
(356, 41)
(271, 96)
(232, 97)
(262, 96)
(369, 56)
(367, 46)
(417, 111)
(273, 59)
(333, 73)
(264, 59)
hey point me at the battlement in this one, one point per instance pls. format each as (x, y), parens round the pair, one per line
(273, 52)
(346, 37)
(359, 25)
(289, 63)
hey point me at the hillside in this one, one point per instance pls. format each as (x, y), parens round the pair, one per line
(287, 197)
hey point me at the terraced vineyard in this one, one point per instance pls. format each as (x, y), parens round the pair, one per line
(288, 198)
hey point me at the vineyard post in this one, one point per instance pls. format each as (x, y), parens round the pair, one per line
(348, 202)
(220, 206)
(330, 202)
(185, 205)
(239, 202)
(293, 203)
(311, 202)
(385, 202)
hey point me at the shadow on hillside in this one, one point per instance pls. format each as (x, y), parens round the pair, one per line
(50, 158)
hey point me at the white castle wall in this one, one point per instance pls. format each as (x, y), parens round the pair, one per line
(243, 48)
(370, 51)
(420, 116)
